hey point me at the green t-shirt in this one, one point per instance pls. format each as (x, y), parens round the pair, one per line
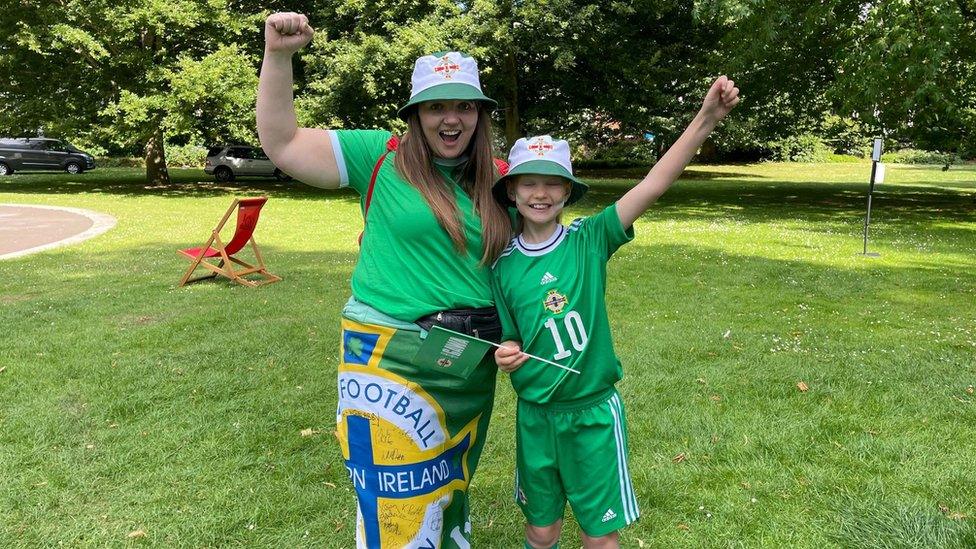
(408, 266)
(552, 297)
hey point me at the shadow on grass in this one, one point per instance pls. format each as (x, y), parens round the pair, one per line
(132, 182)
(638, 173)
(800, 201)
(694, 196)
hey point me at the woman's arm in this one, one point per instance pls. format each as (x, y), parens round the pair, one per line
(720, 99)
(303, 153)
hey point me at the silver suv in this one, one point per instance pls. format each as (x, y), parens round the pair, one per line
(40, 153)
(227, 162)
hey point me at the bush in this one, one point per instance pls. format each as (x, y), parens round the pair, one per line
(88, 146)
(629, 152)
(847, 135)
(609, 164)
(120, 162)
(915, 156)
(799, 148)
(843, 159)
(185, 156)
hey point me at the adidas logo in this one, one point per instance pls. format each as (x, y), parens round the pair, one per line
(609, 515)
(547, 278)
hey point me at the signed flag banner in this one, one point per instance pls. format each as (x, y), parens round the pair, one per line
(451, 352)
(458, 354)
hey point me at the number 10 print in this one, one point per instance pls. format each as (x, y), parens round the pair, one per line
(576, 331)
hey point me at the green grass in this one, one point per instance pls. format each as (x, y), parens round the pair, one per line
(127, 404)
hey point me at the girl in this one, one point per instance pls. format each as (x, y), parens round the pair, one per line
(550, 285)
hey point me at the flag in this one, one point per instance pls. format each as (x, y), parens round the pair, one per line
(450, 352)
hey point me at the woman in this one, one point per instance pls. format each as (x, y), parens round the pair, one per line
(411, 437)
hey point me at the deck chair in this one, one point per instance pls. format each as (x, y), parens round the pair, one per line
(248, 210)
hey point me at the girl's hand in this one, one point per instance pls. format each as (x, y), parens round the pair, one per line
(509, 356)
(721, 98)
(286, 32)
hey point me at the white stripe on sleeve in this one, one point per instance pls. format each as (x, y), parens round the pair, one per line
(340, 160)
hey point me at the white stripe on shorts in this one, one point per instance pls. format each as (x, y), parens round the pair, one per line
(629, 502)
(515, 495)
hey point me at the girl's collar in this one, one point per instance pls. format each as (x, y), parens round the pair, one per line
(556, 235)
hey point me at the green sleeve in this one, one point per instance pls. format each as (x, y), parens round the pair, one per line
(509, 328)
(605, 232)
(357, 154)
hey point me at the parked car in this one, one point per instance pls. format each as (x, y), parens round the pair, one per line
(227, 162)
(42, 153)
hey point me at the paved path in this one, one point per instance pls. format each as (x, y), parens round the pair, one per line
(27, 229)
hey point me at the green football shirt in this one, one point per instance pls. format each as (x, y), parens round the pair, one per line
(408, 266)
(551, 297)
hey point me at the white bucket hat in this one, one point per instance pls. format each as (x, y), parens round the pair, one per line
(445, 75)
(540, 155)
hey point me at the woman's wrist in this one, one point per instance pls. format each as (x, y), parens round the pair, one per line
(278, 55)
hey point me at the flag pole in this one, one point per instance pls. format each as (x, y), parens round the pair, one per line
(540, 359)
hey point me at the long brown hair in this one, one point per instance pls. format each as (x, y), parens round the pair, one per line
(415, 163)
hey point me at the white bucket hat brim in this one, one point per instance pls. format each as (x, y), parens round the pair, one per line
(445, 76)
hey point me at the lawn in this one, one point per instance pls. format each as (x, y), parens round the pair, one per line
(782, 390)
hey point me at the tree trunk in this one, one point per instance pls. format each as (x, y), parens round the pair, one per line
(156, 171)
(506, 10)
(512, 122)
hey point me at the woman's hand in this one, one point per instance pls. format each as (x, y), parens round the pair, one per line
(286, 32)
(509, 356)
(721, 98)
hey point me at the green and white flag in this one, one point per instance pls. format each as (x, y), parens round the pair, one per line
(458, 354)
(451, 352)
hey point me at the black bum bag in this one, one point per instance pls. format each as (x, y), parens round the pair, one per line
(481, 323)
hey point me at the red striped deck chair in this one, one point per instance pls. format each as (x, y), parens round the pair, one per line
(248, 210)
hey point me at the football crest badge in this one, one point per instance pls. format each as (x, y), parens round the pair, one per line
(446, 67)
(541, 145)
(554, 302)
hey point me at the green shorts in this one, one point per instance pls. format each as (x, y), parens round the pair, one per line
(579, 455)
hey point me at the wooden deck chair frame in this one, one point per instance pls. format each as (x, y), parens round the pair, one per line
(215, 248)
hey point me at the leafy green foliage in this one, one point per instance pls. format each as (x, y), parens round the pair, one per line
(800, 148)
(186, 156)
(897, 69)
(907, 71)
(915, 156)
(120, 74)
(595, 72)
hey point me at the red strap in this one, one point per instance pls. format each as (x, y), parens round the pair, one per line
(391, 145)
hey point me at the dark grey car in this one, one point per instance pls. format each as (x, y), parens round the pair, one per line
(41, 153)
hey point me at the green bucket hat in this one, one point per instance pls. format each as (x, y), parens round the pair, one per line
(541, 155)
(445, 75)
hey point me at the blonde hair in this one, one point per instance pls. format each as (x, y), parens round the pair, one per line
(415, 163)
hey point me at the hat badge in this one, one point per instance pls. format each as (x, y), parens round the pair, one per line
(540, 146)
(446, 67)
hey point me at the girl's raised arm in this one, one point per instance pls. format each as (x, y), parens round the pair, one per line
(303, 153)
(721, 98)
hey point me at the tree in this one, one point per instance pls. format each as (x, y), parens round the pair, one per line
(909, 69)
(133, 74)
(555, 67)
(897, 67)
